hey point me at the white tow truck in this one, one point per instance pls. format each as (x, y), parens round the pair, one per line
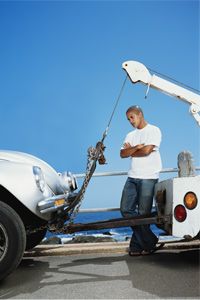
(177, 199)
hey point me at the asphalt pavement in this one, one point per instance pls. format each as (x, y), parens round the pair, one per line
(172, 272)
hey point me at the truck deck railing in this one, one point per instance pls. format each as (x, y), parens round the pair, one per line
(121, 173)
(118, 173)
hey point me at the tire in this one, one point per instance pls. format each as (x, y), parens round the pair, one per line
(34, 239)
(12, 240)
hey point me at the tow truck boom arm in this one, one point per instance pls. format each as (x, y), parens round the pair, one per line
(137, 72)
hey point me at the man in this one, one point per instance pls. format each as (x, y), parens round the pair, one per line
(142, 146)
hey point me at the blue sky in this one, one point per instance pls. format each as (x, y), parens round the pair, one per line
(60, 74)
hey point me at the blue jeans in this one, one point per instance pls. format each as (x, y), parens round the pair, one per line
(137, 199)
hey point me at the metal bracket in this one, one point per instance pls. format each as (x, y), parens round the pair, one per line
(194, 110)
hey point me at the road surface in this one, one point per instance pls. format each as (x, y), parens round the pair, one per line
(165, 274)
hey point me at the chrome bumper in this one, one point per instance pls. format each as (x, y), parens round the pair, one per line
(53, 203)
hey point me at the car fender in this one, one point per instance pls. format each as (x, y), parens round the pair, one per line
(19, 180)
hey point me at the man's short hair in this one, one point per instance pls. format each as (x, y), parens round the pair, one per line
(135, 108)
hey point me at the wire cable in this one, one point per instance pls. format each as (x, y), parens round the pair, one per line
(174, 80)
(114, 109)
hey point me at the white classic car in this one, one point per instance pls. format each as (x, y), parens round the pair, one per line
(32, 195)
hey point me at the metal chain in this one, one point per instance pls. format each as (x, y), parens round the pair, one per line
(94, 154)
(34, 230)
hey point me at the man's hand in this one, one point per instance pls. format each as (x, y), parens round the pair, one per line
(127, 145)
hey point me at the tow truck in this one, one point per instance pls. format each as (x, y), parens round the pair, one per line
(177, 199)
(35, 198)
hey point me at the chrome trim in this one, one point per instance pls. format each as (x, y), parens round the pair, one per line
(68, 181)
(4, 242)
(47, 205)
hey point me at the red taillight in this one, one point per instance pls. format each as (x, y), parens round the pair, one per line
(180, 213)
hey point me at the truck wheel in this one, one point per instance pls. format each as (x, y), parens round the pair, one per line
(12, 240)
(34, 239)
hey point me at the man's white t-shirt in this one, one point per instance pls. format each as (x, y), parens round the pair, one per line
(145, 167)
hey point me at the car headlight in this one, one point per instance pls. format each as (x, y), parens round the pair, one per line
(68, 181)
(39, 178)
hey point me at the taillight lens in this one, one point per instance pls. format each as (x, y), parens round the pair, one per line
(180, 213)
(190, 200)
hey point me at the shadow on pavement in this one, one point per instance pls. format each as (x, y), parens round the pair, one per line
(168, 275)
(163, 274)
